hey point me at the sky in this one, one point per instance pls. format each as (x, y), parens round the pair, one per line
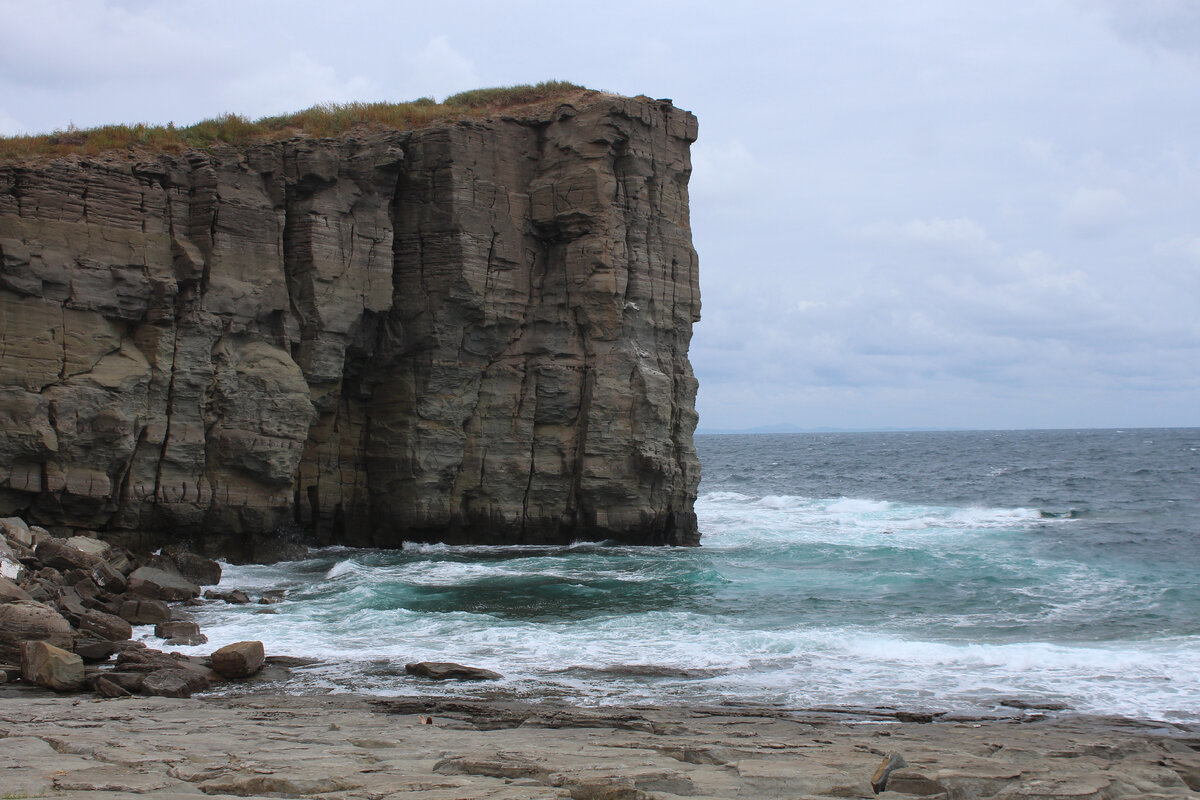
(918, 214)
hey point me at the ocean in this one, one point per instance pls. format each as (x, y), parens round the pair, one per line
(955, 572)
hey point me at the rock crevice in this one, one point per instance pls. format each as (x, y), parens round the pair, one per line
(475, 332)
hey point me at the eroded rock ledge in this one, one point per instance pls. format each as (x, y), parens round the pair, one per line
(476, 332)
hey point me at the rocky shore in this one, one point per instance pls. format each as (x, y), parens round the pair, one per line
(86, 711)
(347, 746)
(68, 607)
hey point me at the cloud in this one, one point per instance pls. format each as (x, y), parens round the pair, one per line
(724, 171)
(1093, 211)
(955, 236)
(437, 70)
(73, 43)
(9, 126)
(298, 81)
(1181, 247)
(1172, 25)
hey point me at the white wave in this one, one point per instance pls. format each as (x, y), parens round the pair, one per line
(347, 567)
(850, 505)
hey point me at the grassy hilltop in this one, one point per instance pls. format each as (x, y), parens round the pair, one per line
(321, 120)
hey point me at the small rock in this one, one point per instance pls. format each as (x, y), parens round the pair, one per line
(100, 625)
(239, 660)
(187, 641)
(236, 597)
(891, 762)
(449, 671)
(160, 585)
(46, 665)
(107, 688)
(1033, 704)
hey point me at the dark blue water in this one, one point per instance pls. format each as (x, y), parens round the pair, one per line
(935, 570)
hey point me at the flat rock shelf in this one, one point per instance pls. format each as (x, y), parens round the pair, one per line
(350, 746)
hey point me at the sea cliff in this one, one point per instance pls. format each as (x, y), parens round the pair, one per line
(475, 331)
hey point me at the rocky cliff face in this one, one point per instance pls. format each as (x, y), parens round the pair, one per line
(476, 332)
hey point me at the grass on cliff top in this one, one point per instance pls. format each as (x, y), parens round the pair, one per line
(319, 121)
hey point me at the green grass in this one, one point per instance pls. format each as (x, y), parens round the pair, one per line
(319, 121)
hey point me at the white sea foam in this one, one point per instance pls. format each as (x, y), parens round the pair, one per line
(805, 601)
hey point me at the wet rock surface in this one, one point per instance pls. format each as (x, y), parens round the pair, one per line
(473, 333)
(351, 747)
(449, 671)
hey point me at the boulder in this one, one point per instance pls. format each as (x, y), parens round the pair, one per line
(108, 578)
(9, 592)
(46, 665)
(144, 612)
(11, 567)
(16, 530)
(180, 632)
(146, 660)
(166, 683)
(129, 681)
(60, 555)
(100, 625)
(160, 585)
(25, 620)
(203, 571)
(910, 781)
(84, 586)
(95, 650)
(70, 606)
(449, 671)
(120, 561)
(88, 544)
(239, 660)
(176, 627)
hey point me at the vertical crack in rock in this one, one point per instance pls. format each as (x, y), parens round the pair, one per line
(475, 332)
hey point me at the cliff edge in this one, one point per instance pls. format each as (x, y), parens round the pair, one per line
(470, 332)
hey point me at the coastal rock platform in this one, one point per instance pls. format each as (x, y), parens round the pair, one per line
(349, 746)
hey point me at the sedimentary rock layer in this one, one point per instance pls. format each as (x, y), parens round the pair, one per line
(476, 332)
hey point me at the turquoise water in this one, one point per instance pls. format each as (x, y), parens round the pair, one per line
(943, 571)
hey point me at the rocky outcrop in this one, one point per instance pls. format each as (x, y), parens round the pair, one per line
(471, 333)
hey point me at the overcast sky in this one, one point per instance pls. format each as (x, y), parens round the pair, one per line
(916, 213)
